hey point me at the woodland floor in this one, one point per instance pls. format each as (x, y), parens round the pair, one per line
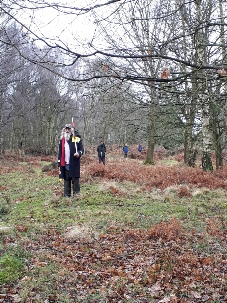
(138, 233)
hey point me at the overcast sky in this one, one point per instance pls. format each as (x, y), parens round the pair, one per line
(68, 29)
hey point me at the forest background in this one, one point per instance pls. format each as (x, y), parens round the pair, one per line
(148, 72)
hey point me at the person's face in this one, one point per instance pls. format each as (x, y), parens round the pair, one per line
(67, 130)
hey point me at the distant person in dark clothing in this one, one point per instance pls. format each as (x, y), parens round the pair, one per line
(139, 148)
(101, 149)
(125, 150)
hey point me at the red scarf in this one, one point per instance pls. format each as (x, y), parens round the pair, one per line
(63, 152)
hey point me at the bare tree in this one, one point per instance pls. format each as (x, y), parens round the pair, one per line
(151, 50)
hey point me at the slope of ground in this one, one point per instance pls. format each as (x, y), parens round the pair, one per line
(138, 233)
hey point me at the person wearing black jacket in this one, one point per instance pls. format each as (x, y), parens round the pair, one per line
(69, 154)
(101, 149)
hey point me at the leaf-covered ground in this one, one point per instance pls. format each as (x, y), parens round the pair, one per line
(138, 233)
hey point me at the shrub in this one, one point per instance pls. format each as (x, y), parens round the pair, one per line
(49, 167)
(184, 192)
(4, 209)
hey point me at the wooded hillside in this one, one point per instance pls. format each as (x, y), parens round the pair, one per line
(143, 71)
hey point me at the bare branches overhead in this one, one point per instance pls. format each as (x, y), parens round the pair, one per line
(112, 34)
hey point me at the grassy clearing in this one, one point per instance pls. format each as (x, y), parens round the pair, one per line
(35, 200)
(49, 242)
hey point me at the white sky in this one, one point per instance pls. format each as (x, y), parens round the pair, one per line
(71, 30)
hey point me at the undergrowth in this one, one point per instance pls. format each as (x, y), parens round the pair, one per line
(138, 233)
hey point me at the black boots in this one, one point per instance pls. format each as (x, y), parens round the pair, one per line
(76, 186)
(67, 187)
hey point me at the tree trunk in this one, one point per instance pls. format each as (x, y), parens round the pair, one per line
(207, 138)
(151, 135)
(1, 134)
(203, 95)
(220, 135)
(189, 156)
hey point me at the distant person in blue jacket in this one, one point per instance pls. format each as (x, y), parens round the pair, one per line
(139, 148)
(125, 150)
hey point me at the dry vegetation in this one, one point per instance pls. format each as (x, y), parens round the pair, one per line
(123, 262)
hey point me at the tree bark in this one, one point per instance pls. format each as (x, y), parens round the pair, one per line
(151, 134)
(203, 93)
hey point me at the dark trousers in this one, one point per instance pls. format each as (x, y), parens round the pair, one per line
(102, 159)
(69, 183)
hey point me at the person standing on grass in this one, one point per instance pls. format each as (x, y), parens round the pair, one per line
(101, 149)
(125, 150)
(69, 154)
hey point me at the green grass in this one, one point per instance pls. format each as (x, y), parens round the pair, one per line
(11, 268)
(33, 200)
(169, 162)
